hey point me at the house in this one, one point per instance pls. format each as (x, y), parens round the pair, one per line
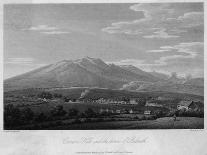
(106, 111)
(187, 105)
(118, 111)
(162, 98)
(133, 101)
(147, 112)
(152, 104)
(183, 105)
(44, 99)
(131, 111)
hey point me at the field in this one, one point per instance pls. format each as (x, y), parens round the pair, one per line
(96, 93)
(31, 111)
(160, 123)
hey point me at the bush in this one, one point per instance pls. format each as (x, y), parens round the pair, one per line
(76, 121)
(58, 111)
(41, 117)
(142, 118)
(12, 116)
(100, 120)
(46, 95)
(90, 113)
(57, 95)
(28, 114)
(190, 113)
(88, 120)
(73, 112)
(159, 113)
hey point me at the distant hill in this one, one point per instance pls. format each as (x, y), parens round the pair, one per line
(159, 75)
(169, 84)
(86, 72)
(195, 82)
(96, 93)
(91, 72)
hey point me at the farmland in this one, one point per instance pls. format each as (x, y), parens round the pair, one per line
(29, 109)
(161, 123)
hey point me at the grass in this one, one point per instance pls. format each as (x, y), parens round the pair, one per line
(161, 123)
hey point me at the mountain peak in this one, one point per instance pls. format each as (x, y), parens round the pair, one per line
(86, 71)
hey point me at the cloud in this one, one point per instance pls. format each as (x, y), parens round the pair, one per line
(22, 61)
(161, 34)
(167, 18)
(157, 51)
(42, 28)
(19, 60)
(177, 31)
(134, 62)
(192, 19)
(191, 51)
(48, 30)
(188, 58)
(55, 32)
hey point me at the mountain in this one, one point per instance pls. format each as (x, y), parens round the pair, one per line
(140, 72)
(172, 84)
(86, 72)
(195, 82)
(159, 75)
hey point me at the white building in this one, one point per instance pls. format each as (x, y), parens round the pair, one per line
(147, 112)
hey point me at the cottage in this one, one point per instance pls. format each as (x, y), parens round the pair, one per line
(118, 111)
(44, 99)
(131, 111)
(133, 101)
(152, 104)
(104, 110)
(147, 112)
(183, 105)
(187, 105)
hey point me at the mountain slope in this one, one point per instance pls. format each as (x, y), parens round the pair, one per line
(86, 72)
(159, 75)
(148, 77)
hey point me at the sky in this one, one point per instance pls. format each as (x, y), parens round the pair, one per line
(163, 37)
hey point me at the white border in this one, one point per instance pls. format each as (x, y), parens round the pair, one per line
(158, 142)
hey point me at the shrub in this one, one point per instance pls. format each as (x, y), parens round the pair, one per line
(41, 117)
(12, 116)
(46, 95)
(90, 113)
(28, 114)
(76, 121)
(73, 112)
(88, 120)
(57, 95)
(191, 113)
(58, 111)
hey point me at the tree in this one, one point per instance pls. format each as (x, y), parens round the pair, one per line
(126, 99)
(73, 112)
(57, 95)
(66, 99)
(12, 115)
(46, 95)
(58, 111)
(90, 113)
(28, 114)
(41, 117)
(141, 101)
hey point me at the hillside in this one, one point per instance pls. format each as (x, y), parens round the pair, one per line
(91, 72)
(86, 72)
(97, 93)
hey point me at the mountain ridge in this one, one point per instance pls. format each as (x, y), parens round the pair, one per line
(81, 72)
(92, 72)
